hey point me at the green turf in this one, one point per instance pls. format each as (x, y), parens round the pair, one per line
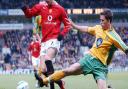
(118, 81)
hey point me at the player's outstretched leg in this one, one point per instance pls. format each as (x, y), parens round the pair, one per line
(54, 77)
(74, 69)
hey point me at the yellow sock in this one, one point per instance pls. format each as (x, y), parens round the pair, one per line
(54, 77)
(57, 75)
(43, 76)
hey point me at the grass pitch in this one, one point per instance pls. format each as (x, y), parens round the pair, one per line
(117, 80)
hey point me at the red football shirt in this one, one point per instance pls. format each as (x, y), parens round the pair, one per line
(52, 16)
(34, 48)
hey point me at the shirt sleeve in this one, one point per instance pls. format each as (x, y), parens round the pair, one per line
(118, 42)
(91, 30)
(34, 11)
(66, 22)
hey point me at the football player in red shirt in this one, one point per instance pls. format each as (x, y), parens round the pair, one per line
(52, 16)
(34, 49)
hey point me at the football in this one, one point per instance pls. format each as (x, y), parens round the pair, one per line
(22, 85)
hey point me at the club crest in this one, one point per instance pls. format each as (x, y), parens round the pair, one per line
(99, 42)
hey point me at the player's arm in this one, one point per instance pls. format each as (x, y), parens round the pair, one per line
(118, 42)
(90, 30)
(66, 22)
(78, 27)
(29, 12)
(121, 45)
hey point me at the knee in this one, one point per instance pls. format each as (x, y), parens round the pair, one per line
(51, 53)
(48, 57)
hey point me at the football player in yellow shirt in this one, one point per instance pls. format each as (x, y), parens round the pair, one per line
(95, 62)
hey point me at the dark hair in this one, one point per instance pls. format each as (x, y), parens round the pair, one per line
(108, 14)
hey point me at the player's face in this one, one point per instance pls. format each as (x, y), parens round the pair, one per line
(104, 22)
(49, 2)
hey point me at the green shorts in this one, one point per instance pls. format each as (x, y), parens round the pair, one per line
(91, 65)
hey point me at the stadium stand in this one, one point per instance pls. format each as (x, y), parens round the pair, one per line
(74, 45)
(70, 52)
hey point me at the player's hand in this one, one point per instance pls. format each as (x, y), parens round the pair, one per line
(60, 37)
(72, 23)
(24, 4)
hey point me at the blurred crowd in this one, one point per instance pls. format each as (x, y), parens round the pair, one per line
(8, 4)
(13, 49)
(13, 44)
(14, 53)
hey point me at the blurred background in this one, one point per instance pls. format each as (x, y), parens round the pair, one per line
(16, 33)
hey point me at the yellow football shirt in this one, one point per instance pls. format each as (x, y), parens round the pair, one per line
(106, 42)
